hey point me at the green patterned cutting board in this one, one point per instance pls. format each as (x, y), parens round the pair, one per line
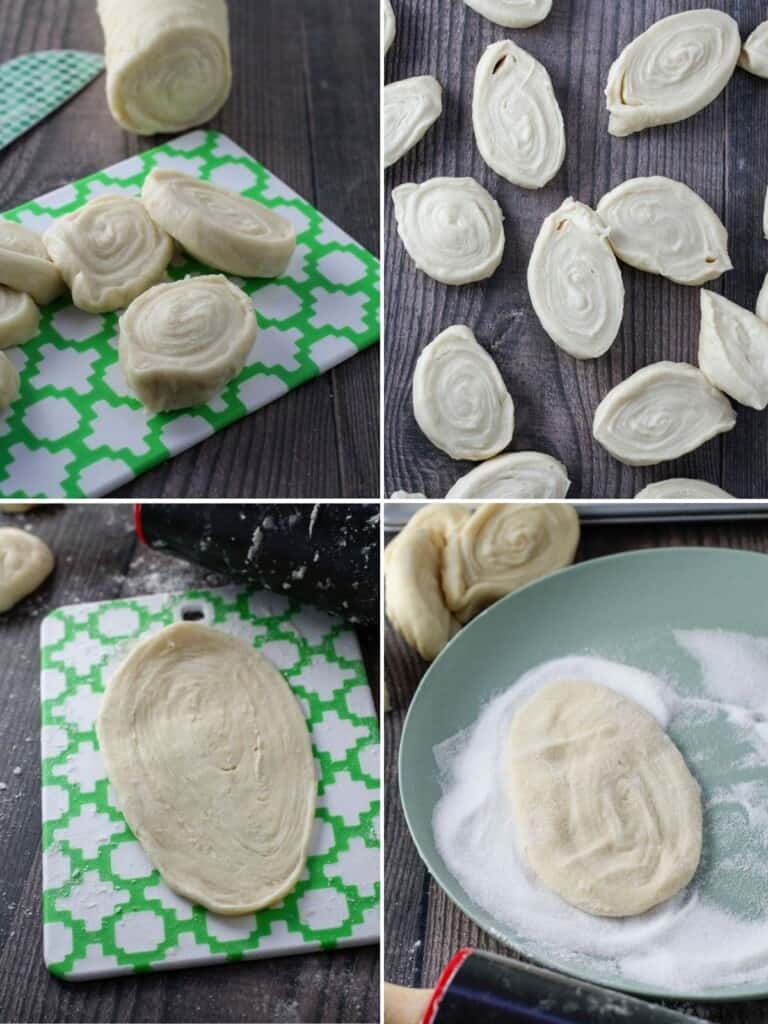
(106, 911)
(77, 431)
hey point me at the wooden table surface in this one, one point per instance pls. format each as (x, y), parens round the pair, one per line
(722, 153)
(423, 927)
(292, 107)
(99, 558)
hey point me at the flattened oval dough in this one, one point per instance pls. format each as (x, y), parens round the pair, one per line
(25, 562)
(221, 229)
(518, 475)
(388, 25)
(409, 109)
(512, 13)
(761, 306)
(661, 412)
(518, 125)
(754, 53)
(606, 812)
(733, 350)
(574, 281)
(681, 487)
(25, 265)
(211, 760)
(19, 318)
(452, 228)
(10, 382)
(662, 226)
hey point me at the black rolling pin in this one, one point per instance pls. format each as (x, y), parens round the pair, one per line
(326, 555)
(487, 989)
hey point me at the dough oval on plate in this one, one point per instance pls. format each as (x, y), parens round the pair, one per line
(512, 13)
(754, 52)
(460, 400)
(575, 283)
(733, 350)
(388, 25)
(661, 412)
(671, 71)
(518, 125)
(409, 109)
(25, 265)
(10, 382)
(680, 487)
(606, 812)
(19, 318)
(452, 228)
(25, 561)
(526, 475)
(662, 226)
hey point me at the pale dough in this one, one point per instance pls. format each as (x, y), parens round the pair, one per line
(515, 475)
(407, 496)
(25, 265)
(761, 306)
(210, 756)
(25, 561)
(512, 13)
(754, 53)
(733, 350)
(16, 507)
(19, 318)
(168, 62)
(518, 125)
(10, 382)
(681, 487)
(606, 812)
(409, 109)
(388, 25)
(180, 343)
(221, 229)
(765, 215)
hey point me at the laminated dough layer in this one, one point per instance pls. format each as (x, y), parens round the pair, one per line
(10, 382)
(168, 62)
(681, 487)
(409, 109)
(221, 229)
(733, 350)
(210, 756)
(754, 53)
(25, 265)
(512, 13)
(515, 475)
(19, 318)
(25, 562)
(606, 812)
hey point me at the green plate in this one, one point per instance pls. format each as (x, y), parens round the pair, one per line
(623, 607)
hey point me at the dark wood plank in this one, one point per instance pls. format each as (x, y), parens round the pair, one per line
(721, 153)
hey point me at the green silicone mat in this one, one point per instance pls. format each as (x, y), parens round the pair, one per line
(106, 911)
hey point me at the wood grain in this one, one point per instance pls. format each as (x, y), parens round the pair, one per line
(721, 153)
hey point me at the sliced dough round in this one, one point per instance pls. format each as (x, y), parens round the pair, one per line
(460, 400)
(518, 125)
(661, 412)
(680, 487)
(438, 518)
(733, 350)
(25, 265)
(452, 228)
(519, 475)
(19, 318)
(210, 756)
(662, 226)
(221, 229)
(25, 561)
(10, 382)
(16, 507)
(606, 812)
(754, 53)
(512, 13)
(671, 71)
(180, 343)
(109, 251)
(765, 215)
(761, 306)
(575, 281)
(388, 25)
(409, 109)
(501, 548)
(407, 496)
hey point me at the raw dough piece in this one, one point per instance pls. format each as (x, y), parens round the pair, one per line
(180, 343)
(765, 215)
(671, 71)
(407, 496)
(459, 398)
(25, 265)
(439, 518)
(575, 281)
(733, 350)
(501, 548)
(109, 251)
(16, 507)
(409, 109)
(19, 318)
(221, 229)
(388, 25)
(606, 812)
(168, 63)
(761, 306)
(526, 475)
(754, 53)
(664, 227)
(681, 487)
(25, 561)
(10, 382)
(661, 412)
(452, 228)
(518, 124)
(210, 756)
(512, 13)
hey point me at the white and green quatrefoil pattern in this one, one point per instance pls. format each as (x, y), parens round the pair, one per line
(106, 910)
(76, 430)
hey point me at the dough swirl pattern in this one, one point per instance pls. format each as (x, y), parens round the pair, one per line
(518, 475)
(19, 318)
(681, 487)
(25, 561)
(733, 350)
(512, 13)
(409, 109)
(25, 265)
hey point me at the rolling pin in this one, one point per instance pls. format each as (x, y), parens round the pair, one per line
(326, 555)
(488, 989)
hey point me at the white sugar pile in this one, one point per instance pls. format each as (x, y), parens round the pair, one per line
(691, 941)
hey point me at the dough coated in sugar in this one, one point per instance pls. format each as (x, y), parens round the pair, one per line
(25, 265)
(754, 53)
(210, 756)
(220, 228)
(733, 350)
(19, 318)
(409, 109)
(25, 562)
(515, 475)
(606, 812)
(388, 25)
(10, 382)
(512, 13)
(180, 343)
(681, 487)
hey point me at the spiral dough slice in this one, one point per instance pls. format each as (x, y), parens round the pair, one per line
(221, 229)
(733, 350)
(452, 228)
(754, 53)
(518, 124)
(661, 412)
(518, 475)
(25, 561)
(180, 343)
(671, 71)
(606, 812)
(388, 25)
(459, 398)
(664, 227)
(9, 382)
(575, 282)
(25, 265)
(681, 487)
(410, 108)
(19, 318)
(512, 13)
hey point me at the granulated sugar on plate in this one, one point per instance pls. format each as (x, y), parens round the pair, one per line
(714, 933)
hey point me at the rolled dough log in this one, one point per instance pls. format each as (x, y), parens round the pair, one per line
(25, 265)
(19, 318)
(25, 561)
(516, 475)
(10, 382)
